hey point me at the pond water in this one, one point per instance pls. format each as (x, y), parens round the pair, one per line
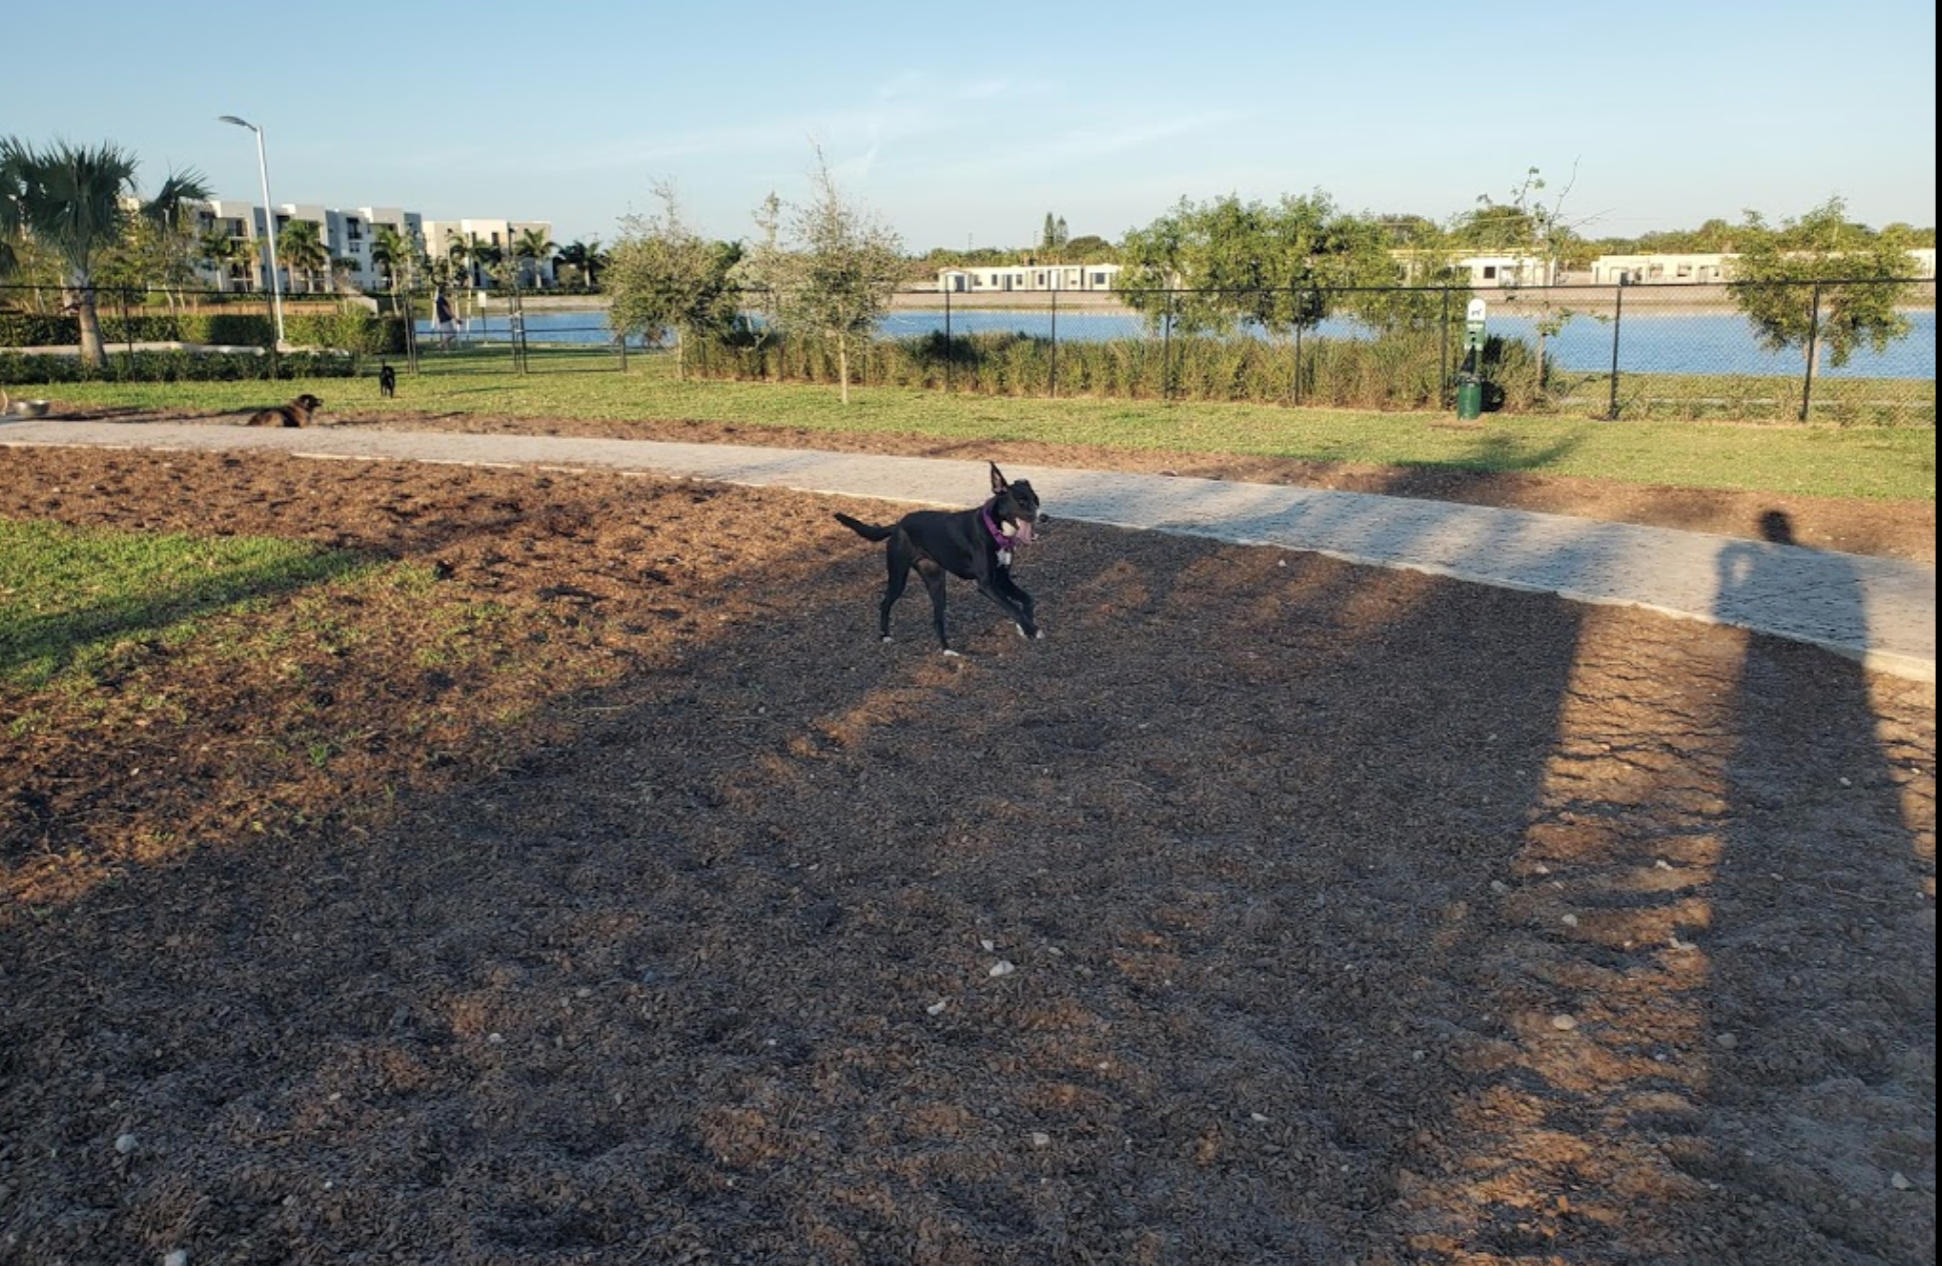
(1653, 343)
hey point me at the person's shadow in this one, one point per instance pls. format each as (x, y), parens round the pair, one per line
(1823, 964)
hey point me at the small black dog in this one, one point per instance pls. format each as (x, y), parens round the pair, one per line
(297, 413)
(387, 380)
(970, 544)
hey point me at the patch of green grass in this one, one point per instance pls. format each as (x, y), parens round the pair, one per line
(81, 601)
(1764, 456)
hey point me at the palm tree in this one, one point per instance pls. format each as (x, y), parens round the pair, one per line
(486, 256)
(587, 257)
(300, 246)
(171, 215)
(224, 253)
(395, 253)
(533, 244)
(458, 254)
(68, 198)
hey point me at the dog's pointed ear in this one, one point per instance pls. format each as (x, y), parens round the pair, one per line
(998, 483)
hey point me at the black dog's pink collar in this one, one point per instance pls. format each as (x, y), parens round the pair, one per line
(991, 525)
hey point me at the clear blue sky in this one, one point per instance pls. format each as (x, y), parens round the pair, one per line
(965, 123)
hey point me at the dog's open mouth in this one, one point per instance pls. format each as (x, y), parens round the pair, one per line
(1022, 531)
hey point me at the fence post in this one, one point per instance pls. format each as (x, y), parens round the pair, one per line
(1166, 351)
(1055, 345)
(411, 332)
(1294, 380)
(948, 378)
(1618, 319)
(127, 330)
(1443, 355)
(1813, 351)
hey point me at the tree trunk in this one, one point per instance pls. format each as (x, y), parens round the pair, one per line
(843, 366)
(93, 354)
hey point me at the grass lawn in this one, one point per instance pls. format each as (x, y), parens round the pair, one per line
(1816, 460)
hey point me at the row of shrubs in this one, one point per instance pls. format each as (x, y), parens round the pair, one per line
(1402, 371)
(347, 336)
(178, 366)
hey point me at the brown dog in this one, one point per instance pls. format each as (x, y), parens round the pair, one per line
(297, 413)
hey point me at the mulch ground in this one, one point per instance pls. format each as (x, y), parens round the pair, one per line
(578, 880)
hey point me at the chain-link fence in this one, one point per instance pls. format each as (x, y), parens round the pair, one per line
(1842, 352)
(1829, 351)
(150, 334)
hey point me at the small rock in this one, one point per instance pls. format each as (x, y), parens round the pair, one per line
(1726, 1041)
(126, 1144)
(1041, 1139)
(180, 1257)
(936, 1008)
(1564, 1023)
(1570, 920)
(1900, 1181)
(1003, 967)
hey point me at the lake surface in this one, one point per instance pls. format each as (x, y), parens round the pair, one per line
(1650, 343)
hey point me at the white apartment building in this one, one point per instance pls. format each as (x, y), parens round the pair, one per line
(348, 236)
(502, 235)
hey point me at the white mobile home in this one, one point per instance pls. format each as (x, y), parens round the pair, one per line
(1027, 278)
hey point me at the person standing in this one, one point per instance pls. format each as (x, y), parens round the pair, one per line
(442, 319)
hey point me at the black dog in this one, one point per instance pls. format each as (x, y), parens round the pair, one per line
(971, 544)
(387, 381)
(297, 413)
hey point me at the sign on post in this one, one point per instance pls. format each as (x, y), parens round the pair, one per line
(1473, 326)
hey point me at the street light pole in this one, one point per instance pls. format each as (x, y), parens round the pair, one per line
(269, 220)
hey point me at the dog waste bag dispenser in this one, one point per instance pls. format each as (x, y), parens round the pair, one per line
(1470, 380)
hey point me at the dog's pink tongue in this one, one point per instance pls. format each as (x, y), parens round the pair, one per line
(1024, 532)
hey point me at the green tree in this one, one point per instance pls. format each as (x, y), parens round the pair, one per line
(1537, 237)
(69, 199)
(224, 254)
(587, 259)
(1279, 267)
(534, 247)
(167, 222)
(1540, 243)
(457, 262)
(398, 256)
(1091, 249)
(485, 258)
(1052, 240)
(1821, 283)
(664, 277)
(300, 248)
(838, 278)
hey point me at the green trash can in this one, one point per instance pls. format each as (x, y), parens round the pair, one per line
(1469, 399)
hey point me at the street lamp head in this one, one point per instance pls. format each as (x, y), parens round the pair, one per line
(230, 118)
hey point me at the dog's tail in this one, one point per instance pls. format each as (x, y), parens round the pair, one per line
(868, 531)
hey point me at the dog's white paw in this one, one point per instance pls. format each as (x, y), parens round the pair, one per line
(951, 654)
(1033, 636)
(887, 639)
